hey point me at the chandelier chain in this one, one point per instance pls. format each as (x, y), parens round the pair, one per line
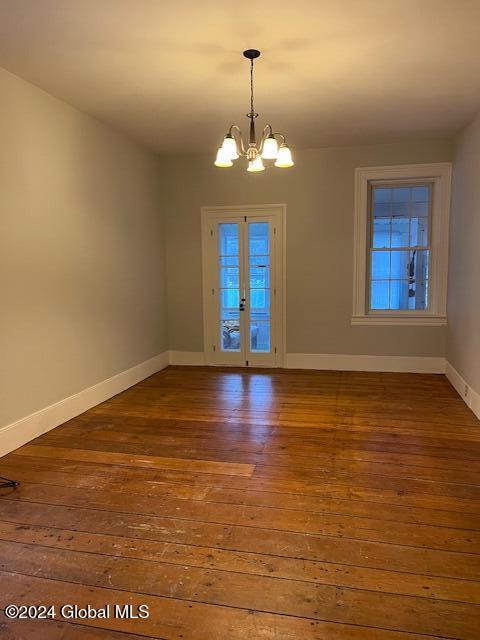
(251, 88)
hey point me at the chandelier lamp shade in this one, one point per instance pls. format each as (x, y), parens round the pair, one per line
(271, 147)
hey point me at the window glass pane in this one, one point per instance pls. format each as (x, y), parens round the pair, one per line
(419, 232)
(400, 209)
(383, 209)
(401, 284)
(399, 262)
(380, 264)
(418, 299)
(382, 195)
(420, 194)
(420, 209)
(398, 294)
(379, 295)
(418, 279)
(381, 232)
(260, 336)
(400, 232)
(401, 194)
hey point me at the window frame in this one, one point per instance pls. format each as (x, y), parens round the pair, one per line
(439, 175)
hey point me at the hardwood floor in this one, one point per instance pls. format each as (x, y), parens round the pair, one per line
(252, 504)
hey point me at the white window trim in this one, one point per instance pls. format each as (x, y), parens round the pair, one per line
(440, 173)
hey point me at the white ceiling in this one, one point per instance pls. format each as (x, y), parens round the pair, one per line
(171, 72)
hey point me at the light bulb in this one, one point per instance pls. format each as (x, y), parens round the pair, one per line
(270, 149)
(230, 147)
(256, 165)
(222, 159)
(284, 158)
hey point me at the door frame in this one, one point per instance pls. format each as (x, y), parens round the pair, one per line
(279, 213)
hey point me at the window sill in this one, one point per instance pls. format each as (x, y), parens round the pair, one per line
(378, 320)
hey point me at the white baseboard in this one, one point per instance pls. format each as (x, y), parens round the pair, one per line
(187, 358)
(22, 431)
(464, 390)
(335, 362)
(344, 362)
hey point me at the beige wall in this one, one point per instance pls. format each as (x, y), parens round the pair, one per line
(81, 251)
(463, 338)
(319, 193)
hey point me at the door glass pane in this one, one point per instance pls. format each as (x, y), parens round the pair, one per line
(228, 254)
(230, 328)
(259, 283)
(259, 239)
(260, 336)
(229, 300)
(229, 278)
(259, 274)
(229, 261)
(228, 239)
(260, 303)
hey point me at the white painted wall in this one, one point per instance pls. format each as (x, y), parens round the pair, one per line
(81, 252)
(463, 334)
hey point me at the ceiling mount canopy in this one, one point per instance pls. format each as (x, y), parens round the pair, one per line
(267, 148)
(251, 54)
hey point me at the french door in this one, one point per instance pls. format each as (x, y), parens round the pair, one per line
(243, 286)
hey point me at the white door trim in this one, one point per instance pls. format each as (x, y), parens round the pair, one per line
(279, 211)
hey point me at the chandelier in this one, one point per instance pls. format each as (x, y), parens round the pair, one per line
(267, 149)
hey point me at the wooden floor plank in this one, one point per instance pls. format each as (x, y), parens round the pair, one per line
(252, 504)
(240, 538)
(327, 487)
(172, 618)
(247, 592)
(265, 518)
(127, 482)
(59, 630)
(151, 462)
(247, 563)
(280, 455)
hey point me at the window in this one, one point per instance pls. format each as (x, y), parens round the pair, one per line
(401, 244)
